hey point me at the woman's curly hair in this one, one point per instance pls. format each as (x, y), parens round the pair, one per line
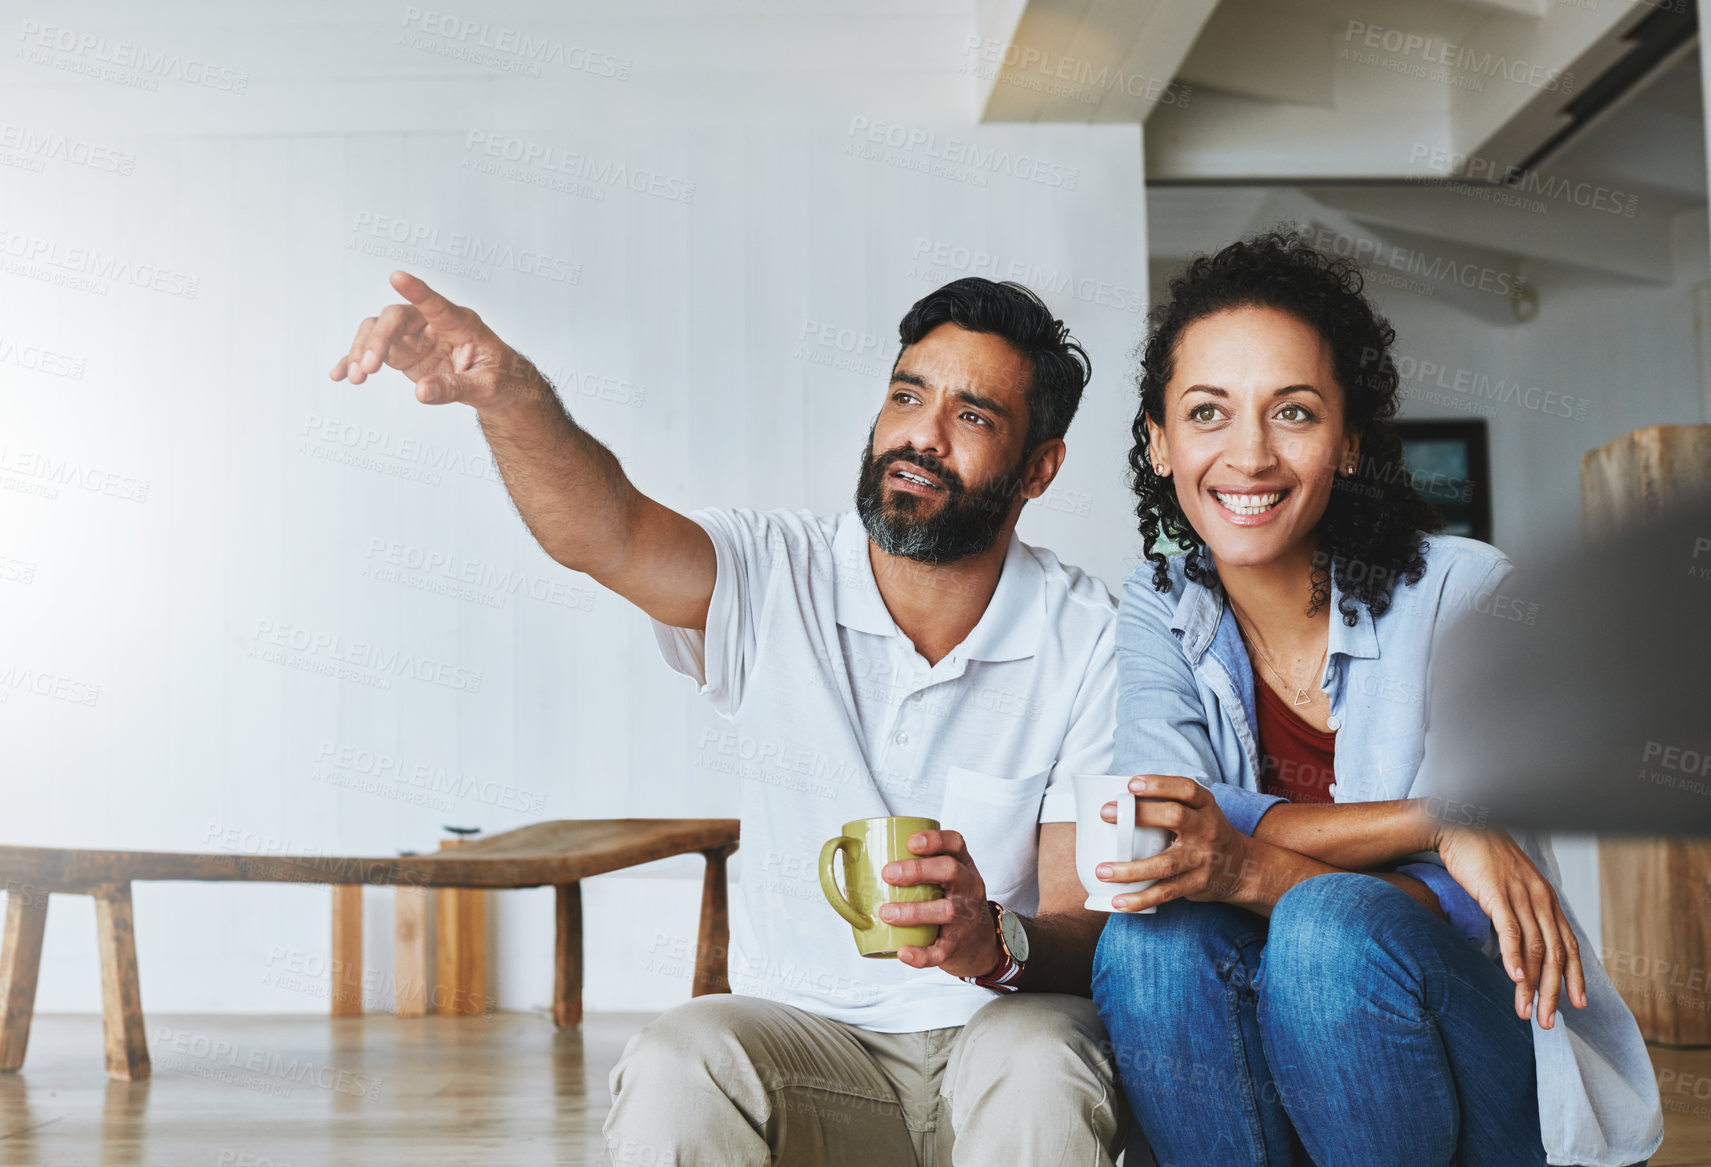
(1370, 534)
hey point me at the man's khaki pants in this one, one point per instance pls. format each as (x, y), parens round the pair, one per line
(732, 1080)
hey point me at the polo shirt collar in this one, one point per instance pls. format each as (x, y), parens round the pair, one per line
(1009, 629)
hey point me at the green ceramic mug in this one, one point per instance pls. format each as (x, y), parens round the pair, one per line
(867, 846)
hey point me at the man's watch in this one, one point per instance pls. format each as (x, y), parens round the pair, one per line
(1012, 944)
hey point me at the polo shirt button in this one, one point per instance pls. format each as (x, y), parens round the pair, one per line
(902, 739)
(1333, 723)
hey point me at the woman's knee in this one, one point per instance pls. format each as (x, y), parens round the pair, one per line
(1154, 962)
(1333, 934)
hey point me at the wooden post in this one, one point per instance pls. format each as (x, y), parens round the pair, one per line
(410, 912)
(121, 997)
(567, 957)
(460, 947)
(712, 960)
(346, 973)
(20, 962)
(1652, 889)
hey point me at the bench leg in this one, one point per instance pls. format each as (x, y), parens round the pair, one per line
(567, 957)
(410, 950)
(711, 957)
(346, 990)
(460, 950)
(121, 998)
(20, 961)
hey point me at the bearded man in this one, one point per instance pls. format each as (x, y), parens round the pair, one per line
(910, 657)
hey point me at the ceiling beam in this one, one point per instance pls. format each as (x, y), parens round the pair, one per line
(1083, 60)
(1584, 225)
(1483, 282)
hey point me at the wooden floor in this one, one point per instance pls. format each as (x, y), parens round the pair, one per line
(248, 1091)
(244, 1091)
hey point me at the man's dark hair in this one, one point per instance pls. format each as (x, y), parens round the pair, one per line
(1014, 314)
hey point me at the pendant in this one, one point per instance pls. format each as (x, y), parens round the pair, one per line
(1301, 697)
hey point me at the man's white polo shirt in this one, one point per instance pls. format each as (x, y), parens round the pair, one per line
(834, 716)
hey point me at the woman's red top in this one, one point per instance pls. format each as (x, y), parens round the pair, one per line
(1296, 760)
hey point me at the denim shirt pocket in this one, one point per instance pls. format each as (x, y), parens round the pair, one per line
(1395, 762)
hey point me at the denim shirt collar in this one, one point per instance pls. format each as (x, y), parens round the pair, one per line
(1203, 621)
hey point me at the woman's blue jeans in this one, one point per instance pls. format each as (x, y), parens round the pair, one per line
(1355, 1029)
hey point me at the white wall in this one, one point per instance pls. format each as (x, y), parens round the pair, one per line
(222, 487)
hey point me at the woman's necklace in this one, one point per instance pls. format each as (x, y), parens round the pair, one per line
(1302, 697)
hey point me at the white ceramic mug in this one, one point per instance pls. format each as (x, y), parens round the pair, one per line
(1097, 841)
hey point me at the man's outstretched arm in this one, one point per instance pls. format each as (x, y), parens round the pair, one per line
(569, 489)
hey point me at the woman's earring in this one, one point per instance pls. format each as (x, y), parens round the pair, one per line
(1159, 470)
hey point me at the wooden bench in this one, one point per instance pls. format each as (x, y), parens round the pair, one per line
(560, 854)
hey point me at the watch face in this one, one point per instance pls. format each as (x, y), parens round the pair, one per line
(1015, 937)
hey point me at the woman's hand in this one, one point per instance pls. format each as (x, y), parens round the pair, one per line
(1539, 948)
(1208, 860)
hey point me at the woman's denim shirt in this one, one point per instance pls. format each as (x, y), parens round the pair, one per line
(1185, 705)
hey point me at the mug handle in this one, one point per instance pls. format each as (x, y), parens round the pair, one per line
(1126, 827)
(829, 886)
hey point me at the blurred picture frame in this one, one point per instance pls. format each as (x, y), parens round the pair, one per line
(1449, 463)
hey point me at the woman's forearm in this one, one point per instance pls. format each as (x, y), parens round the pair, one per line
(1271, 870)
(1354, 836)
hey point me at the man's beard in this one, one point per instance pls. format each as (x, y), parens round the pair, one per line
(967, 523)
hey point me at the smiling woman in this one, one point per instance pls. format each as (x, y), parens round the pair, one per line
(1276, 297)
(1364, 983)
